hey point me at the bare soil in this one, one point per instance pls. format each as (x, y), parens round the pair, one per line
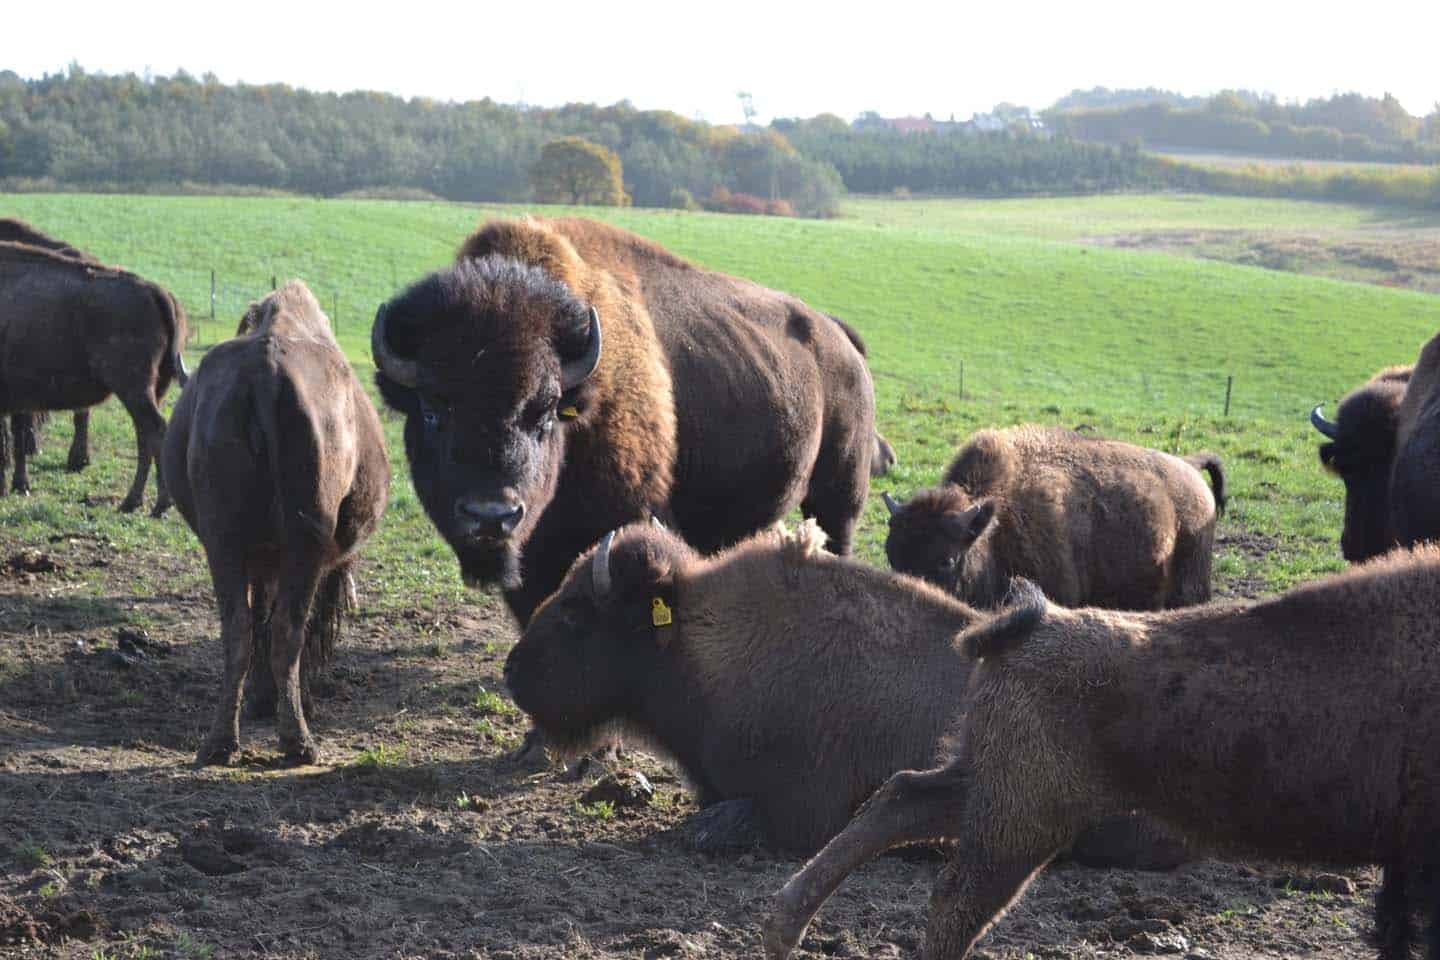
(416, 838)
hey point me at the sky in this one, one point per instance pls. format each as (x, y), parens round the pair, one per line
(795, 59)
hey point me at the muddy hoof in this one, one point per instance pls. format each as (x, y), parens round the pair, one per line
(128, 505)
(780, 938)
(158, 510)
(216, 754)
(75, 466)
(726, 827)
(305, 755)
(532, 752)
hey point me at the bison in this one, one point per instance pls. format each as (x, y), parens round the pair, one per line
(276, 460)
(1360, 448)
(564, 377)
(1092, 521)
(72, 332)
(1298, 728)
(1385, 445)
(25, 427)
(786, 683)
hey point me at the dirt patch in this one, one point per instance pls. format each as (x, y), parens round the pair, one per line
(1395, 258)
(416, 838)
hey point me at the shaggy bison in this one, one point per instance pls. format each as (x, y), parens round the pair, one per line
(1385, 445)
(1299, 728)
(25, 426)
(276, 460)
(72, 332)
(786, 683)
(1092, 521)
(564, 377)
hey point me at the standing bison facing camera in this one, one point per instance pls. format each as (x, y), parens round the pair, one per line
(1092, 522)
(565, 377)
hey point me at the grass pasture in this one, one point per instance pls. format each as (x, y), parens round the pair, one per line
(417, 839)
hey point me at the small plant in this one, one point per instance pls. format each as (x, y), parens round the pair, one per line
(436, 648)
(492, 704)
(379, 756)
(51, 889)
(34, 855)
(188, 946)
(133, 697)
(599, 810)
(464, 801)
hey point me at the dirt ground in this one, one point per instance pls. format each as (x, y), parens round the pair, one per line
(416, 838)
(1406, 258)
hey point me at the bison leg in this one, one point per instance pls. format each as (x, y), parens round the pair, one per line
(971, 893)
(22, 432)
(910, 808)
(149, 438)
(79, 457)
(730, 825)
(5, 455)
(235, 636)
(287, 643)
(836, 496)
(1392, 914)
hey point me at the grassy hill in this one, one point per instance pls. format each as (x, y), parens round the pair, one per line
(1137, 345)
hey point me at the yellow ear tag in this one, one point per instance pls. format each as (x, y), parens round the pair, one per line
(569, 413)
(660, 614)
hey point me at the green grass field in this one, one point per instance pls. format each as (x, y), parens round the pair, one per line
(1138, 345)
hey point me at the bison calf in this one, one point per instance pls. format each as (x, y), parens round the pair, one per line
(1298, 728)
(1091, 521)
(786, 683)
(277, 462)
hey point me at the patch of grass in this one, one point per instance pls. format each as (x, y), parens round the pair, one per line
(488, 703)
(33, 855)
(187, 946)
(379, 757)
(49, 890)
(599, 810)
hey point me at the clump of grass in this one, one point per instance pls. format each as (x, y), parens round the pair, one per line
(491, 704)
(599, 810)
(33, 855)
(379, 757)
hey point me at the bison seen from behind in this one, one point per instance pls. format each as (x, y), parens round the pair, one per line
(1092, 521)
(278, 463)
(1298, 728)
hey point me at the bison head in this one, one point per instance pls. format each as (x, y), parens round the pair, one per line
(932, 536)
(490, 361)
(591, 649)
(1360, 448)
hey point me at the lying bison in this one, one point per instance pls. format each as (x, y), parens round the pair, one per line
(276, 460)
(1385, 446)
(1360, 448)
(25, 427)
(786, 683)
(1092, 521)
(1298, 728)
(564, 377)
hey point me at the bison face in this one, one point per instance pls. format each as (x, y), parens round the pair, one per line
(592, 649)
(1360, 449)
(490, 361)
(932, 536)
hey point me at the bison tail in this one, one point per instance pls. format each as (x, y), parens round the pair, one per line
(335, 595)
(1024, 609)
(884, 459)
(1210, 463)
(172, 365)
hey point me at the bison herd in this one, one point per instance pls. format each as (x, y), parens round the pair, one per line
(611, 436)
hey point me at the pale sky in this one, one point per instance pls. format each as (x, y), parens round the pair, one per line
(897, 57)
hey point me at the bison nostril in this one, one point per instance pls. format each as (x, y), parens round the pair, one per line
(495, 517)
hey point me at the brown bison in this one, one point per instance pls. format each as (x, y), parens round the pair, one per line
(785, 682)
(276, 460)
(1298, 728)
(564, 377)
(72, 332)
(1385, 445)
(1091, 521)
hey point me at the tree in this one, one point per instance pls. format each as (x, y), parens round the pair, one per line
(574, 170)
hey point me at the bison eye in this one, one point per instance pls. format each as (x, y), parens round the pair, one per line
(434, 413)
(949, 563)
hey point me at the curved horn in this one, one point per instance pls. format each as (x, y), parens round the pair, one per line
(890, 503)
(655, 522)
(1318, 421)
(402, 371)
(600, 567)
(575, 372)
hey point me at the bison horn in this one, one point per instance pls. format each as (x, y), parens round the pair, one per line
(575, 372)
(400, 369)
(600, 567)
(890, 503)
(1327, 427)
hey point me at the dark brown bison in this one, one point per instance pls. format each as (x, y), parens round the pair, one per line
(25, 427)
(276, 460)
(785, 682)
(564, 377)
(1092, 521)
(1298, 728)
(73, 331)
(1385, 445)
(884, 459)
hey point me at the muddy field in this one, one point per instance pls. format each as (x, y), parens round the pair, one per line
(417, 838)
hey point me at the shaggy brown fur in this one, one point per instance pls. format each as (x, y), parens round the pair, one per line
(278, 464)
(1092, 521)
(1414, 497)
(717, 404)
(790, 680)
(1298, 728)
(74, 332)
(1361, 450)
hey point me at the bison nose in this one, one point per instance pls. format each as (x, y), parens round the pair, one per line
(489, 518)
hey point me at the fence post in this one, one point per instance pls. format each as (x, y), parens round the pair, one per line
(1229, 382)
(273, 284)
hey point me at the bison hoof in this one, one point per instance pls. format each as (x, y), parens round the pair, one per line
(531, 752)
(304, 755)
(158, 510)
(75, 466)
(216, 754)
(129, 504)
(779, 939)
(726, 827)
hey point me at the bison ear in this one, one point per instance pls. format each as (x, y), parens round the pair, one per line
(1327, 457)
(966, 526)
